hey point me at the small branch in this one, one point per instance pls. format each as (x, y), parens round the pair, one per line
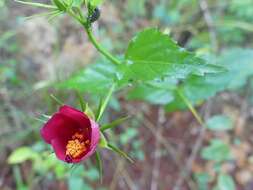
(170, 149)
(155, 171)
(122, 172)
(185, 173)
(210, 24)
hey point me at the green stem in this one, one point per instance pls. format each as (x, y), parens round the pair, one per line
(100, 48)
(191, 108)
(88, 29)
(99, 165)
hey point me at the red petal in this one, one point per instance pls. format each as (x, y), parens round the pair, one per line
(76, 115)
(59, 147)
(58, 126)
(95, 136)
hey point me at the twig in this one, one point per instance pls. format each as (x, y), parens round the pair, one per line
(210, 24)
(197, 145)
(121, 169)
(116, 173)
(155, 171)
(185, 173)
(163, 141)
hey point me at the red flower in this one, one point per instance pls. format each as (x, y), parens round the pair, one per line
(72, 134)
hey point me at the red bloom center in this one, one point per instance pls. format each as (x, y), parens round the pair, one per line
(76, 146)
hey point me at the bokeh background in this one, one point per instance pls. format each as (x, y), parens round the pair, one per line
(35, 52)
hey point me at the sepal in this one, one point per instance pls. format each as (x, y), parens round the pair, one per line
(113, 124)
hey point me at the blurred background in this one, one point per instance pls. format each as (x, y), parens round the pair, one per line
(170, 149)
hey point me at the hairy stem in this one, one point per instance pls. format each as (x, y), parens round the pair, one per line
(88, 29)
(100, 48)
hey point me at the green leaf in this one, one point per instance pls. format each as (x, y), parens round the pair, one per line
(152, 54)
(239, 65)
(219, 123)
(89, 111)
(91, 174)
(82, 103)
(97, 78)
(56, 100)
(120, 152)
(128, 135)
(217, 151)
(104, 102)
(95, 3)
(60, 4)
(37, 4)
(77, 183)
(114, 123)
(22, 154)
(154, 92)
(48, 15)
(202, 180)
(226, 182)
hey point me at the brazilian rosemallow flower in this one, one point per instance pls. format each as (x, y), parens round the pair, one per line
(73, 135)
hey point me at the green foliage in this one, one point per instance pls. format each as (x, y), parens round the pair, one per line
(102, 141)
(152, 54)
(217, 151)
(154, 94)
(61, 5)
(80, 176)
(119, 152)
(219, 123)
(128, 135)
(22, 154)
(2, 3)
(156, 68)
(95, 3)
(8, 65)
(137, 150)
(97, 78)
(196, 89)
(239, 63)
(225, 182)
(41, 5)
(113, 124)
(242, 9)
(103, 103)
(165, 59)
(202, 180)
(77, 183)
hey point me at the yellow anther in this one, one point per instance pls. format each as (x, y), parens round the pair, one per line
(76, 146)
